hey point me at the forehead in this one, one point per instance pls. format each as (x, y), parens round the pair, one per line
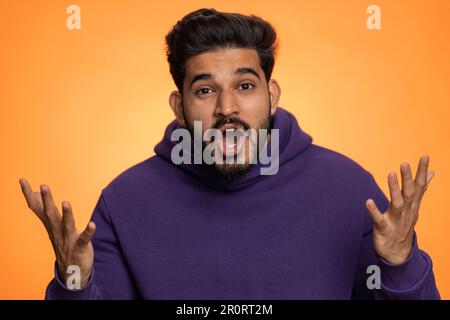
(222, 60)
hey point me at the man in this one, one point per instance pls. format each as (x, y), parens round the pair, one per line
(316, 227)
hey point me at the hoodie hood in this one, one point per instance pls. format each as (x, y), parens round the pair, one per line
(292, 142)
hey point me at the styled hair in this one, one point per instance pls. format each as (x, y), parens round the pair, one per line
(206, 30)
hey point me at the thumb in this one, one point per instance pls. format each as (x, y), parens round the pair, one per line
(374, 212)
(86, 235)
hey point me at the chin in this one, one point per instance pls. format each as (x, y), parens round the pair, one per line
(232, 171)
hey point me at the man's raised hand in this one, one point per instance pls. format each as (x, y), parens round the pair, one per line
(70, 246)
(393, 231)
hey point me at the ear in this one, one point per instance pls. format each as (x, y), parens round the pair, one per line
(176, 103)
(274, 92)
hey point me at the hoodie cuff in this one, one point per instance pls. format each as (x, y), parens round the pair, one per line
(57, 290)
(406, 275)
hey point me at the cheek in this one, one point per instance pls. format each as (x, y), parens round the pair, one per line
(258, 101)
(255, 110)
(197, 114)
(194, 112)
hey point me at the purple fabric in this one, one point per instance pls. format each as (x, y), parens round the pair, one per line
(181, 232)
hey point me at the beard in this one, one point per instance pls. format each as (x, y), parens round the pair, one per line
(231, 171)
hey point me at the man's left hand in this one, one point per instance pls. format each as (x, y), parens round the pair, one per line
(393, 230)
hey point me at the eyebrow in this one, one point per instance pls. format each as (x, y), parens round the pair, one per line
(200, 76)
(239, 71)
(246, 70)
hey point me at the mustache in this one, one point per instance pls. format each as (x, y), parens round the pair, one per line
(235, 121)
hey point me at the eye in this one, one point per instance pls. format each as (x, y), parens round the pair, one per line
(246, 86)
(203, 91)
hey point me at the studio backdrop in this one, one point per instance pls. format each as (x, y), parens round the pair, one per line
(84, 95)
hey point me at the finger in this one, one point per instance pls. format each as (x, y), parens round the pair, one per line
(50, 209)
(68, 222)
(34, 199)
(375, 213)
(422, 173)
(397, 202)
(27, 192)
(430, 176)
(86, 235)
(408, 187)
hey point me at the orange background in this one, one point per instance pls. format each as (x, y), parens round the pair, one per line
(78, 107)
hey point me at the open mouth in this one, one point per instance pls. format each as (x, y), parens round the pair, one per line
(233, 140)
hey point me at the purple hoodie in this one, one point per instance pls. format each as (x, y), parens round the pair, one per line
(167, 231)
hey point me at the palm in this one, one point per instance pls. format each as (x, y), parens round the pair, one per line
(71, 247)
(393, 231)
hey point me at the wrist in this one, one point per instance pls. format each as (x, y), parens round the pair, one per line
(400, 252)
(64, 274)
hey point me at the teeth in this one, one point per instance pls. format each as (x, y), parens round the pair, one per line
(230, 145)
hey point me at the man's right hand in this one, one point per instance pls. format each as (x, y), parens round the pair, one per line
(71, 247)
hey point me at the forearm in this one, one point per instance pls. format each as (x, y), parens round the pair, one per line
(110, 277)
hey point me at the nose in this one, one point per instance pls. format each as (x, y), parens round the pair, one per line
(226, 105)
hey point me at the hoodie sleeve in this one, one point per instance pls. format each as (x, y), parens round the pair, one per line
(412, 279)
(110, 278)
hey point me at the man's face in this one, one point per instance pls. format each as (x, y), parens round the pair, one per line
(227, 89)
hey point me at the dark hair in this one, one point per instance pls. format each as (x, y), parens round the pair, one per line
(204, 30)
